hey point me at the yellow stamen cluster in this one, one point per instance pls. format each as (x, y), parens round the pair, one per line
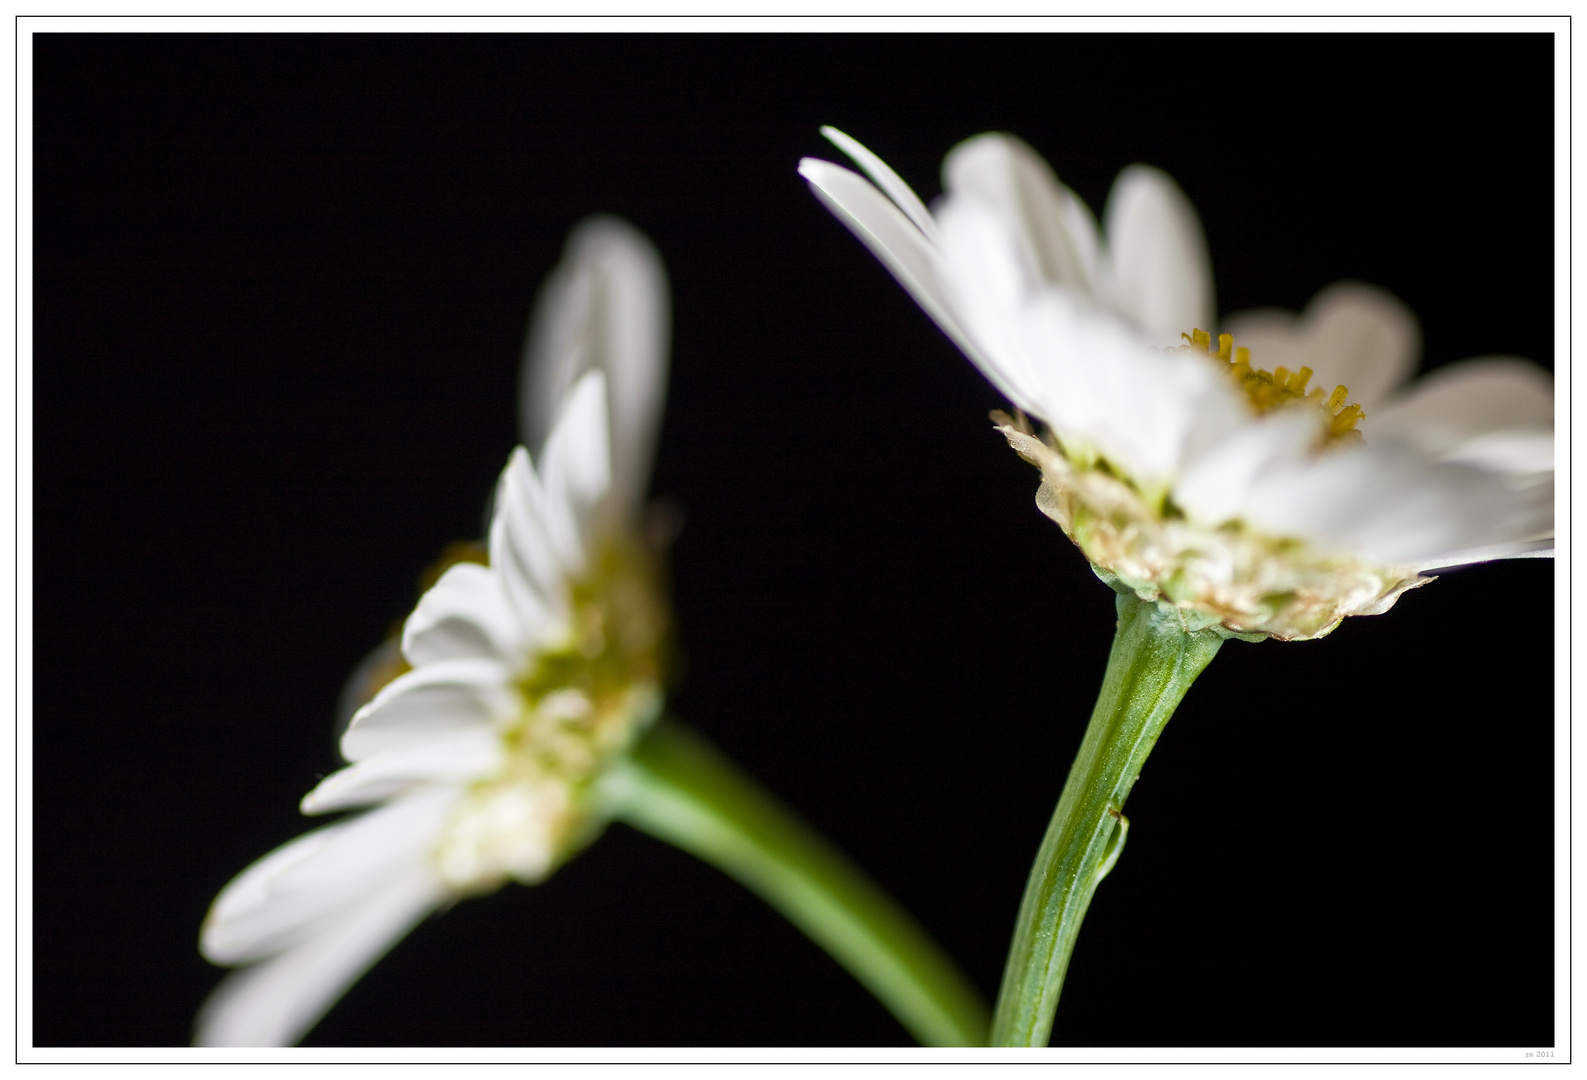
(1269, 390)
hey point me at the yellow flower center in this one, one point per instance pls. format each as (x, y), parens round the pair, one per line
(1269, 390)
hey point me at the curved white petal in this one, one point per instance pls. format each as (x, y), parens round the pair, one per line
(1319, 499)
(605, 308)
(436, 699)
(892, 238)
(1142, 410)
(544, 526)
(1434, 511)
(1215, 485)
(576, 472)
(884, 177)
(1161, 273)
(458, 757)
(1363, 337)
(466, 614)
(285, 897)
(1517, 452)
(1493, 411)
(521, 551)
(1386, 504)
(227, 936)
(1052, 225)
(1518, 549)
(1350, 333)
(1079, 368)
(991, 284)
(276, 1002)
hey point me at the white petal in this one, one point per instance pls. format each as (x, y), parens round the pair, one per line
(275, 1003)
(1519, 549)
(464, 614)
(1214, 486)
(1531, 553)
(885, 178)
(893, 239)
(1385, 504)
(604, 308)
(1435, 510)
(522, 553)
(1323, 499)
(576, 471)
(1497, 411)
(285, 897)
(456, 758)
(1350, 333)
(231, 931)
(1517, 452)
(1362, 337)
(992, 284)
(1162, 275)
(1053, 226)
(1139, 408)
(436, 699)
(1079, 368)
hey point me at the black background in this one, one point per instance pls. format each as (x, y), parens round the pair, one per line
(281, 287)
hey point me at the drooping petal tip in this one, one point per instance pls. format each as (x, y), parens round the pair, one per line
(885, 178)
(277, 1002)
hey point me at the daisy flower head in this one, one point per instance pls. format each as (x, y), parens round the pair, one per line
(526, 672)
(1266, 481)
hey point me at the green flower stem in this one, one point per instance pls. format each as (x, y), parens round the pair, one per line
(1152, 664)
(679, 788)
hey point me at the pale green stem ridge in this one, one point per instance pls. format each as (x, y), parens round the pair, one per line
(679, 788)
(1152, 664)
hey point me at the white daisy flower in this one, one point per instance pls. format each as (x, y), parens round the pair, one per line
(1229, 479)
(530, 675)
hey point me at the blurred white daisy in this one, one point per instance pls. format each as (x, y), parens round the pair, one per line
(1227, 478)
(523, 679)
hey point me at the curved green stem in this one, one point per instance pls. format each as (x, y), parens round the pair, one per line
(679, 788)
(1152, 664)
